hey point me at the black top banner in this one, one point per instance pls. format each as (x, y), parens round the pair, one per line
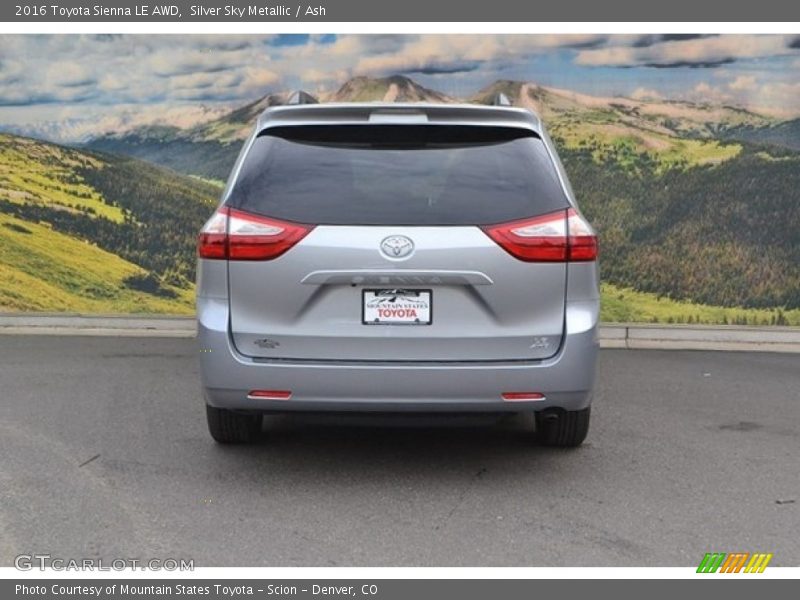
(407, 11)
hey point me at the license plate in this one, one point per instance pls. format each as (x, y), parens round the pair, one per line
(397, 307)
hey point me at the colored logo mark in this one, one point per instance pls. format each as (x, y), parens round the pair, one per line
(736, 562)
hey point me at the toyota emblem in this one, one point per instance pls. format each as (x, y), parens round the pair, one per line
(397, 246)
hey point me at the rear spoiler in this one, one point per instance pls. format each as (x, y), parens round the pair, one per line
(399, 113)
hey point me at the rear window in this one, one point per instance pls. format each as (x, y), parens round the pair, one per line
(397, 175)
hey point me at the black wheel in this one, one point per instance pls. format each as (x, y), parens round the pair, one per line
(230, 427)
(564, 428)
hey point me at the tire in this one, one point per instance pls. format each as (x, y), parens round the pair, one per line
(562, 428)
(230, 427)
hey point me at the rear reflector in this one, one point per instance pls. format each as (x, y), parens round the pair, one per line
(236, 235)
(269, 394)
(521, 396)
(561, 236)
(213, 239)
(582, 238)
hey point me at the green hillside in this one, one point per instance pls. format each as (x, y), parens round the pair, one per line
(46, 175)
(785, 134)
(723, 235)
(43, 270)
(626, 305)
(210, 159)
(83, 231)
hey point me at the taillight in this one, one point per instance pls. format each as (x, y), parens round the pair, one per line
(213, 239)
(237, 235)
(555, 237)
(253, 237)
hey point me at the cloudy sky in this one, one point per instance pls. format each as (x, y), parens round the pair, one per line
(69, 85)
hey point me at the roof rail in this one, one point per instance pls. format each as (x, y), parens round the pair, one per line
(301, 97)
(500, 99)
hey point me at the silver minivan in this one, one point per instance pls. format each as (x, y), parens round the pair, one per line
(398, 258)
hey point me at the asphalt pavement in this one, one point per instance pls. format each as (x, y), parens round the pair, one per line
(104, 453)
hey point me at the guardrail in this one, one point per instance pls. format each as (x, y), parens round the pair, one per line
(612, 335)
(107, 325)
(700, 337)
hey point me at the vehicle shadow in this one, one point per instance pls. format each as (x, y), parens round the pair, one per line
(392, 445)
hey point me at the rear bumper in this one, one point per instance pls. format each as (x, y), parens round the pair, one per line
(566, 379)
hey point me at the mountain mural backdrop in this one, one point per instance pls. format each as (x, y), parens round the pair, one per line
(697, 204)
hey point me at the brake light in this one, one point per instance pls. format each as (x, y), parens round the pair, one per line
(237, 235)
(562, 236)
